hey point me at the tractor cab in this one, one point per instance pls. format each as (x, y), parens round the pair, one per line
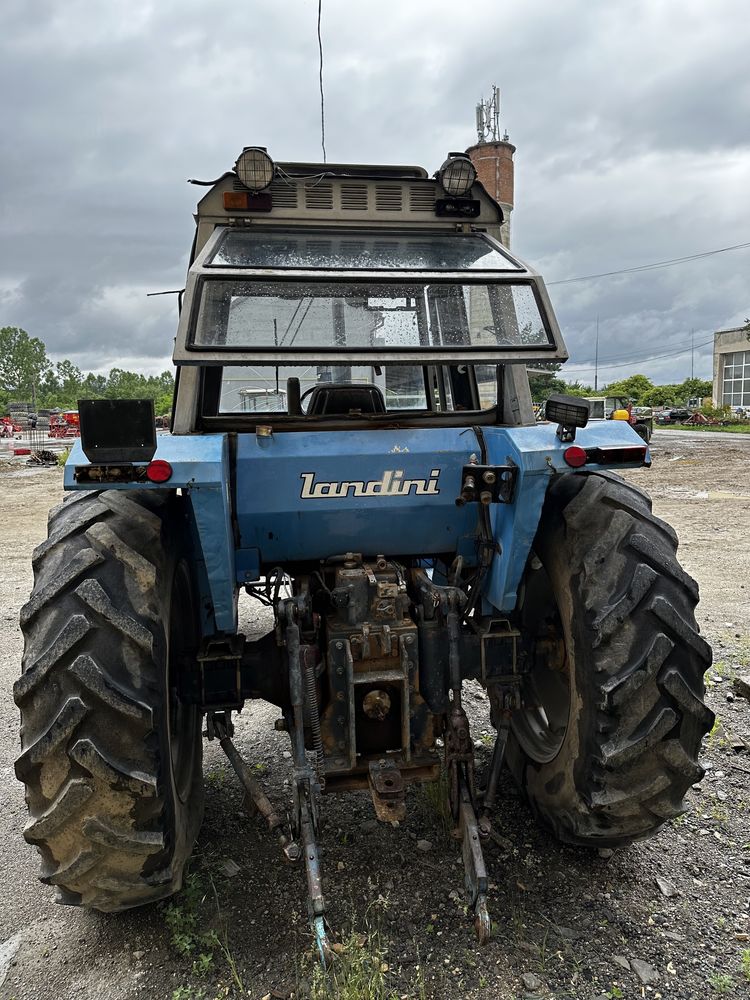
(388, 284)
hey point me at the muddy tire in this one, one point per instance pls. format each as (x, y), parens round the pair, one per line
(110, 759)
(608, 742)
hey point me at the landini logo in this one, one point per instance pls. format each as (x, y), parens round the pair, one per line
(391, 485)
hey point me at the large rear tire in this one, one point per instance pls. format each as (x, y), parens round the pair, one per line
(608, 741)
(111, 759)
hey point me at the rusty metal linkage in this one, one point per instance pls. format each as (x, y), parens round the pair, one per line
(493, 778)
(459, 761)
(306, 785)
(256, 793)
(475, 872)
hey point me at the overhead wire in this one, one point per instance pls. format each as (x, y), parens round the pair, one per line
(625, 361)
(636, 360)
(650, 267)
(322, 96)
(638, 355)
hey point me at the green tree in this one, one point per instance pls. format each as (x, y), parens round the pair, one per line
(633, 387)
(543, 380)
(23, 363)
(700, 387)
(70, 379)
(132, 385)
(163, 404)
(661, 395)
(93, 386)
(49, 388)
(578, 389)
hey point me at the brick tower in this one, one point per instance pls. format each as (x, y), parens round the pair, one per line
(493, 158)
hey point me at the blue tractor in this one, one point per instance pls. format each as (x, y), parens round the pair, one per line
(353, 444)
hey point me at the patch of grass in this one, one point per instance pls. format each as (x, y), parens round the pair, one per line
(543, 954)
(189, 993)
(745, 963)
(717, 736)
(198, 934)
(183, 918)
(518, 916)
(721, 982)
(359, 971)
(741, 652)
(729, 429)
(62, 458)
(719, 812)
(433, 805)
(216, 776)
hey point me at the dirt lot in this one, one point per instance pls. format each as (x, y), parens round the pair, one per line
(668, 917)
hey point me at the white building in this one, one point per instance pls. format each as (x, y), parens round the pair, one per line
(732, 367)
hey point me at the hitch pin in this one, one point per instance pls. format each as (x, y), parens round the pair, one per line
(259, 799)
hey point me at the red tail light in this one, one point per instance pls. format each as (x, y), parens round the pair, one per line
(575, 456)
(159, 471)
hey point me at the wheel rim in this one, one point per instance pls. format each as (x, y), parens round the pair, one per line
(542, 724)
(183, 719)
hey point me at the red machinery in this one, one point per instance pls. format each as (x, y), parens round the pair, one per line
(64, 425)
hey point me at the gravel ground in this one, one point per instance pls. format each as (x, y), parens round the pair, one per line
(665, 918)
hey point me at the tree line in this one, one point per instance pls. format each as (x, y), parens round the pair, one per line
(28, 375)
(638, 388)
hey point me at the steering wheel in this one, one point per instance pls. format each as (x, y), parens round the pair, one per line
(306, 393)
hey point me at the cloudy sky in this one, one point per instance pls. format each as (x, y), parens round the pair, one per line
(631, 119)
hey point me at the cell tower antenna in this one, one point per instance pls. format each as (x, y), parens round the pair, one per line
(488, 118)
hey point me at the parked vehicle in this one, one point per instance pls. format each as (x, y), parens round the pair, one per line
(405, 519)
(640, 418)
(677, 416)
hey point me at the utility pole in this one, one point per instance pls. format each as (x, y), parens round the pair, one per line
(596, 357)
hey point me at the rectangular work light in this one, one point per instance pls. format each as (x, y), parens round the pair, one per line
(568, 412)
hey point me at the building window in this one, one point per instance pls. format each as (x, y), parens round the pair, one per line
(736, 379)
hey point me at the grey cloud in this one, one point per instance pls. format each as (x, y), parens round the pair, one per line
(630, 120)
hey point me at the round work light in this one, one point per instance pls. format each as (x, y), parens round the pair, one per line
(457, 175)
(255, 168)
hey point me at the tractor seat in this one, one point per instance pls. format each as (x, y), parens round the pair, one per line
(344, 398)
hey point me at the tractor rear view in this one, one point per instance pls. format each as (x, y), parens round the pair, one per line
(353, 443)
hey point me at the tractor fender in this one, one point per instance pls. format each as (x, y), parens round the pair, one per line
(538, 453)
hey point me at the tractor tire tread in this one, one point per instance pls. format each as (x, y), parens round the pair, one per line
(638, 750)
(96, 783)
